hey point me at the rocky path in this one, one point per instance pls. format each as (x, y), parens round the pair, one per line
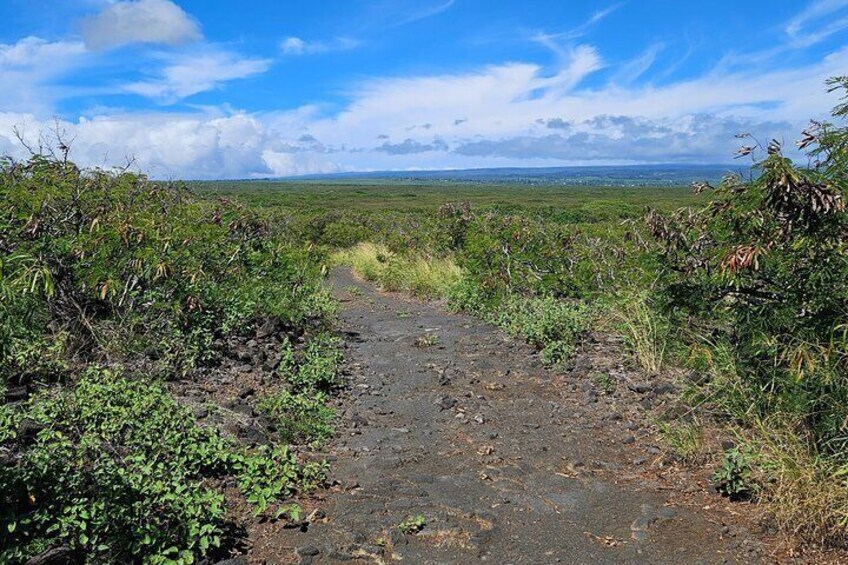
(450, 420)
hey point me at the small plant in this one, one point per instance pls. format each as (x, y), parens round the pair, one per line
(413, 524)
(686, 440)
(553, 326)
(604, 381)
(353, 290)
(319, 366)
(300, 418)
(734, 477)
(427, 340)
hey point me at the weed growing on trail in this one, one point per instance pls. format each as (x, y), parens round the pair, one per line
(413, 524)
(353, 290)
(301, 418)
(427, 340)
(604, 381)
(553, 326)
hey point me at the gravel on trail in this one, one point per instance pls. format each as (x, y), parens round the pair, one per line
(455, 445)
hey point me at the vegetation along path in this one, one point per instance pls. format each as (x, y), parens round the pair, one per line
(458, 447)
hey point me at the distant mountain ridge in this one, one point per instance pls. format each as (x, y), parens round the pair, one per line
(630, 175)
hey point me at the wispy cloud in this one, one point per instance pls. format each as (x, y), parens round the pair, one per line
(818, 21)
(554, 41)
(295, 46)
(635, 68)
(427, 12)
(187, 74)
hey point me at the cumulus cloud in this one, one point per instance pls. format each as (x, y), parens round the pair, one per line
(188, 146)
(29, 69)
(296, 46)
(188, 74)
(139, 21)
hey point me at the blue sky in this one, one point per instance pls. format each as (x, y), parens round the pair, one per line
(199, 89)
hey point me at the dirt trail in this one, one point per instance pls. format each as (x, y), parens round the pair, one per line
(507, 461)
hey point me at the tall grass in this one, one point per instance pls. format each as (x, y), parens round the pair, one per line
(646, 331)
(421, 275)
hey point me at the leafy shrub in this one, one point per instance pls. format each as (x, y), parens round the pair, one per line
(761, 273)
(766, 264)
(551, 325)
(107, 259)
(99, 266)
(116, 469)
(734, 477)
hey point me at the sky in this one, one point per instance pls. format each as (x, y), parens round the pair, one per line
(195, 89)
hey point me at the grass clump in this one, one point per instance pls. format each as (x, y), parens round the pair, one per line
(302, 418)
(423, 276)
(685, 439)
(646, 330)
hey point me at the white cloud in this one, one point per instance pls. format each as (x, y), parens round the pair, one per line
(30, 68)
(188, 74)
(139, 21)
(200, 145)
(297, 46)
(36, 52)
(637, 67)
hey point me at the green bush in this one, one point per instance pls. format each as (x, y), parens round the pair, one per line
(765, 265)
(117, 470)
(122, 266)
(109, 267)
(551, 325)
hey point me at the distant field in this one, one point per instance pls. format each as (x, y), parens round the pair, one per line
(390, 195)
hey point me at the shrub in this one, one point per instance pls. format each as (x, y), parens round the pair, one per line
(116, 469)
(552, 326)
(122, 266)
(761, 273)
